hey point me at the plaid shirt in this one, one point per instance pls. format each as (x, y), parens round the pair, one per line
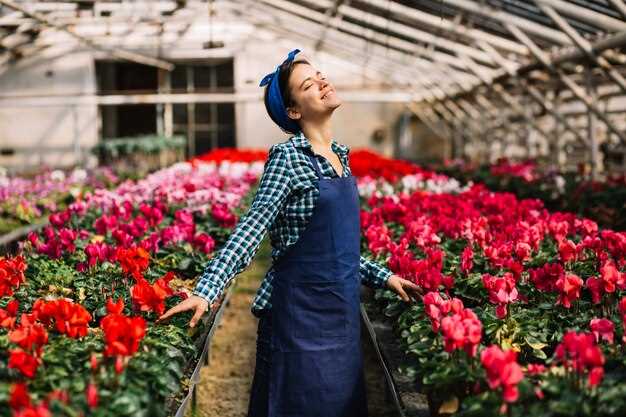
(283, 203)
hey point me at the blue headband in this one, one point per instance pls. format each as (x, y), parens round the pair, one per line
(275, 99)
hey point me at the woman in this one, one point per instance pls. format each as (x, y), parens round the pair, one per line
(308, 347)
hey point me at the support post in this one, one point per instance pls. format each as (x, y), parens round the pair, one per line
(591, 126)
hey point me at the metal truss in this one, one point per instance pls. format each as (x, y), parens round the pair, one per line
(476, 70)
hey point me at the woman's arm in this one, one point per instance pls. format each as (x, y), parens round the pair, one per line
(243, 243)
(375, 275)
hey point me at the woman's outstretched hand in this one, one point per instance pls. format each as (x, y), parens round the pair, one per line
(403, 287)
(196, 303)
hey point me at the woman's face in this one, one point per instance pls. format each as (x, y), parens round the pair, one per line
(313, 95)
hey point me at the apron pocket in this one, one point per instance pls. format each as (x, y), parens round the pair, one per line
(319, 310)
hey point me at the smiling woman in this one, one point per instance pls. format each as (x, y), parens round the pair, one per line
(309, 361)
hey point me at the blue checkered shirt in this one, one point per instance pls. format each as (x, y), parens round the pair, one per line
(283, 204)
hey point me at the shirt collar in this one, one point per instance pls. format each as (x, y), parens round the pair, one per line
(300, 141)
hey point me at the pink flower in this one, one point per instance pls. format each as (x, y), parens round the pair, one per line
(503, 371)
(462, 330)
(502, 291)
(602, 329)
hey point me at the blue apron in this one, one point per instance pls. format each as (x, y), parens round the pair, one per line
(315, 366)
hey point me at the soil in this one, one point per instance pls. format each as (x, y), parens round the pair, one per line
(224, 387)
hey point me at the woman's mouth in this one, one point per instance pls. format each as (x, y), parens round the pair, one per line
(330, 92)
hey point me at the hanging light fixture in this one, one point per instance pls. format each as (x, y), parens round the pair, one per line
(212, 44)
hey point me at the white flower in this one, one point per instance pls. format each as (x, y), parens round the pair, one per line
(57, 175)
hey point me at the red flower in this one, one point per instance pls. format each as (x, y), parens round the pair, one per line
(8, 316)
(567, 250)
(602, 329)
(99, 252)
(11, 274)
(502, 291)
(29, 335)
(462, 330)
(467, 259)
(121, 334)
(611, 277)
(503, 371)
(545, 278)
(594, 284)
(579, 352)
(93, 362)
(92, 395)
(69, 318)
(20, 397)
(204, 242)
(115, 307)
(522, 251)
(134, 261)
(223, 216)
(152, 297)
(569, 287)
(535, 369)
(22, 361)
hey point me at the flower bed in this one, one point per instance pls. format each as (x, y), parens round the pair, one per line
(602, 201)
(27, 200)
(78, 305)
(524, 309)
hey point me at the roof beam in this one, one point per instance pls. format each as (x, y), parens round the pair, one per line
(116, 52)
(554, 36)
(584, 45)
(340, 45)
(586, 15)
(567, 81)
(453, 28)
(533, 93)
(410, 32)
(408, 47)
(619, 6)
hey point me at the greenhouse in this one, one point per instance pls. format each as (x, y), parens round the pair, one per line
(313, 208)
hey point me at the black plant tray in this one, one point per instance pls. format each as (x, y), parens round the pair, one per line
(402, 389)
(204, 344)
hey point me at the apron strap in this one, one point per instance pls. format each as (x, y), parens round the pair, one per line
(315, 165)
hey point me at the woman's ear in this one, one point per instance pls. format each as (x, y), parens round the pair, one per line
(293, 113)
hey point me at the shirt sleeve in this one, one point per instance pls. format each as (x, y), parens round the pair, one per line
(373, 274)
(243, 243)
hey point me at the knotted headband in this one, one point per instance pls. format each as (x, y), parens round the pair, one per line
(275, 99)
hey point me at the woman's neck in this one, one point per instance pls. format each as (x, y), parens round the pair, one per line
(320, 135)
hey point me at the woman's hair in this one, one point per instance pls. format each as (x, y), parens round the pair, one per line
(283, 83)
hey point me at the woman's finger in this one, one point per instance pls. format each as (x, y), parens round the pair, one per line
(199, 312)
(402, 293)
(412, 285)
(183, 306)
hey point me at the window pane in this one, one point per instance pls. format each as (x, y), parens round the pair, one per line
(204, 142)
(204, 112)
(226, 113)
(202, 77)
(180, 113)
(226, 137)
(225, 76)
(178, 78)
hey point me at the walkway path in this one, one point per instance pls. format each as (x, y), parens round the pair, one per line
(224, 385)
